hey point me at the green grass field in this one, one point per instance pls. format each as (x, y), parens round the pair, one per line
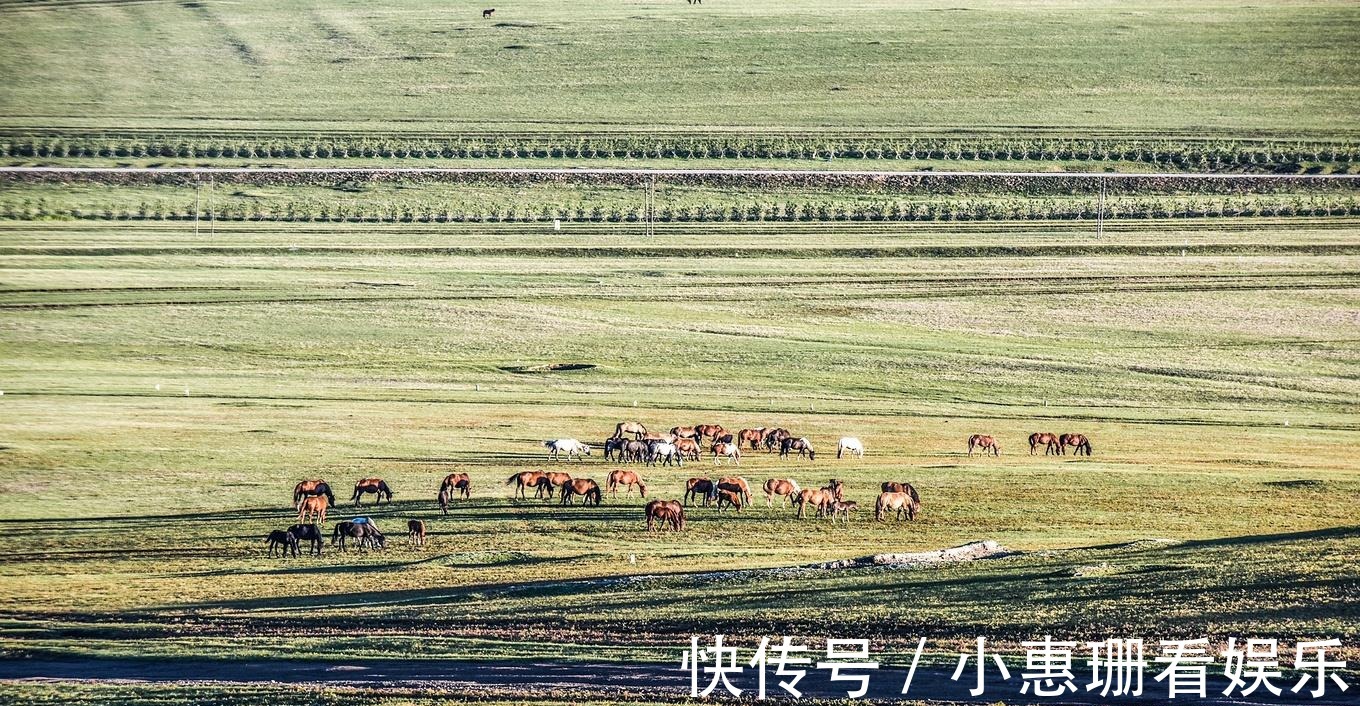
(164, 393)
(173, 359)
(281, 77)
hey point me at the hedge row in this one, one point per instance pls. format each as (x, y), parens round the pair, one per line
(1192, 154)
(961, 210)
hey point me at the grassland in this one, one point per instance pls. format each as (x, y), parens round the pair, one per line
(992, 81)
(164, 391)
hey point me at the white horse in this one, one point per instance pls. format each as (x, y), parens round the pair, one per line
(731, 451)
(851, 445)
(570, 447)
(665, 452)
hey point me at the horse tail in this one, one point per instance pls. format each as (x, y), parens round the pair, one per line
(549, 443)
(511, 480)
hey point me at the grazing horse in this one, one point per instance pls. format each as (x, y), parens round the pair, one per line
(820, 498)
(312, 487)
(893, 486)
(634, 452)
(781, 487)
(985, 443)
(285, 539)
(652, 437)
(684, 432)
(571, 447)
(555, 481)
(487, 13)
(729, 498)
(635, 428)
(613, 449)
(1046, 440)
(841, 509)
(849, 444)
(666, 453)
(802, 446)
(309, 533)
(751, 437)
(908, 503)
(366, 532)
(688, 448)
(415, 532)
(312, 507)
(377, 486)
(626, 478)
(710, 430)
(660, 513)
(588, 489)
(736, 484)
(460, 482)
(731, 451)
(1082, 444)
(775, 437)
(528, 479)
(699, 488)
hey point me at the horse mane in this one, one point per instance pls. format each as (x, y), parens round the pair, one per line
(911, 490)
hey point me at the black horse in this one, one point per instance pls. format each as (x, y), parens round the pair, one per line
(309, 533)
(367, 535)
(285, 539)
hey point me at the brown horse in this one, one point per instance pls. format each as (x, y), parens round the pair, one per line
(588, 489)
(901, 503)
(684, 432)
(634, 428)
(415, 532)
(652, 436)
(315, 486)
(625, 478)
(312, 507)
(984, 443)
(377, 486)
(729, 498)
(459, 482)
(893, 486)
(1046, 440)
(783, 488)
(660, 513)
(528, 479)
(689, 448)
(711, 430)
(1082, 444)
(820, 498)
(555, 481)
(801, 445)
(775, 437)
(736, 484)
(699, 488)
(750, 437)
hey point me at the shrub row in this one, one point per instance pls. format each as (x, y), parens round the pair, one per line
(952, 210)
(1190, 154)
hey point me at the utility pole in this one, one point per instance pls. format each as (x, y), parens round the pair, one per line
(198, 191)
(649, 207)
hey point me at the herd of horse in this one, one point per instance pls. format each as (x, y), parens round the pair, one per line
(633, 443)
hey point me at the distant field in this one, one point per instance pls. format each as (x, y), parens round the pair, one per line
(1217, 387)
(284, 77)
